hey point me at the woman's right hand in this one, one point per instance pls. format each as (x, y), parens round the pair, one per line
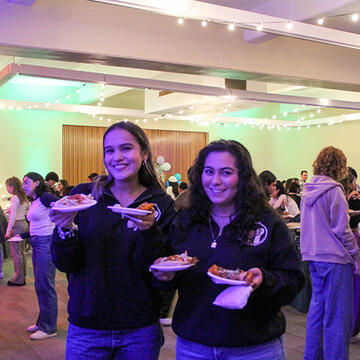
(163, 275)
(62, 219)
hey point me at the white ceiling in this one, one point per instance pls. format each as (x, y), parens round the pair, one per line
(303, 11)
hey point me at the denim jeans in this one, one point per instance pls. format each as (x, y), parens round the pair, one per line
(330, 320)
(130, 344)
(44, 274)
(189, 350)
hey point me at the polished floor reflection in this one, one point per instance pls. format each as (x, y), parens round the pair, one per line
(18, 309)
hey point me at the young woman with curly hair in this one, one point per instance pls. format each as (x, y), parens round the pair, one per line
(328, 243)
(229, 223)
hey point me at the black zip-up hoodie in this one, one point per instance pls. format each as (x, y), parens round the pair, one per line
(272, 250)
(110, 286)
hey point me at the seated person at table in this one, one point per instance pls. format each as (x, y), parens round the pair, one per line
(229, 223)
(286, 205)
(294, 193)
(268, 182)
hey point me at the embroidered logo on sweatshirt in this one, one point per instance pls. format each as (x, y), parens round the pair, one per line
(258, 236)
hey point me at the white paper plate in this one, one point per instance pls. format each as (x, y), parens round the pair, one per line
(16, 238)
(220, 280)
(129, 211)
(70, 208)
(170, 268)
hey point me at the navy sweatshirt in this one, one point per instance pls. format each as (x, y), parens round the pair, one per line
(197, 319)
(110, 286)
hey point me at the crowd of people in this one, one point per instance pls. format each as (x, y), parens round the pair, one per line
(228, 216)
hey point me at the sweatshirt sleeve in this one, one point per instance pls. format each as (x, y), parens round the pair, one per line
(282, 275)
(339, 221)
(67, 254)
(13, 208)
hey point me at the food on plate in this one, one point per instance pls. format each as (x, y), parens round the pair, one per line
(237, 274)
(148, 206)
(176, 260)
(74, 200)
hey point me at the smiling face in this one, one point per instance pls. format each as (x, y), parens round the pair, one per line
(220, 180)
(29, 187)
(122, 155)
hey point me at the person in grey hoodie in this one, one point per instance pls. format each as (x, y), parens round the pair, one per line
(328, 243)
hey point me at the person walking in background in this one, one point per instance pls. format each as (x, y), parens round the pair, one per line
(41, 229)
(230, 223)
(328, 243)
(113, 304)
(303, 179)
(19, 206)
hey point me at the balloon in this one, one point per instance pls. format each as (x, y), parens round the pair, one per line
(178, 177)
(166, 166)
(160, 160)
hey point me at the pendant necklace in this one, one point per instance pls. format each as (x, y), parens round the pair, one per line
(214, 242)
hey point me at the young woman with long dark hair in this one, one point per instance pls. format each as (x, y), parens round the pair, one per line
(230, 223)
(41, 229)
(113, 305)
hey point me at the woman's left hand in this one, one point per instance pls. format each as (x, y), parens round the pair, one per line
(257, 277)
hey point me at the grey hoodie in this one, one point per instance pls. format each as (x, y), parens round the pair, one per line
(325, 232)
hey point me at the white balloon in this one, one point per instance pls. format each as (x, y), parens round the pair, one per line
(160, 160)
(166, 166)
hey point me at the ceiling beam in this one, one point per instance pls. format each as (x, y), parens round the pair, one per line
(143, 83)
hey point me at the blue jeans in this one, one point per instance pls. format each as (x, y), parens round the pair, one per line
(189, 350)
(330, 320)
(130, 344)
(44, 274)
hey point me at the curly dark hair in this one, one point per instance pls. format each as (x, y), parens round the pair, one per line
(250, 201)
(331, 162)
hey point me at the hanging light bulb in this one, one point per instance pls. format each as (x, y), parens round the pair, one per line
(320, 21)
(180, 21)
(231, 27)
(289, 25)
(259, 26)
(204, 23)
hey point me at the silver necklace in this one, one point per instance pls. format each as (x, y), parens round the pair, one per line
(214, 242)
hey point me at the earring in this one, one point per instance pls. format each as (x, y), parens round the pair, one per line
(144, 162)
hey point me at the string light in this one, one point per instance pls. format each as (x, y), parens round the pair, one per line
(289, 25)
(259, 26)
(320, 21)
(231, 27)
(204, 23)
(355, 17)
(180, 21)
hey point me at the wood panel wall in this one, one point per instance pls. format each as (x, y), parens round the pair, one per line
(82, 151)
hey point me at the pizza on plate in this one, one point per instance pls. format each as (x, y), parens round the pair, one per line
(75, 200)
(176, 260)
(237, 274)
(146, 206)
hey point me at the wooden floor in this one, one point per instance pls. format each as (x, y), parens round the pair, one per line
(19, 309)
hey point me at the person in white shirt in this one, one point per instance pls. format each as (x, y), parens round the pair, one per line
(41, 229)
(19, 206)
(279, 200)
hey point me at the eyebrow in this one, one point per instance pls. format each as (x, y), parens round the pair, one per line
(124, 144)
(224, 168)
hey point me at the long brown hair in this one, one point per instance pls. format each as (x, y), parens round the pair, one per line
(17, 186)
(147, 174)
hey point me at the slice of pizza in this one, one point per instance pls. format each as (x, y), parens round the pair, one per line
(146, 206)
(237, 274)
(176, 260)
